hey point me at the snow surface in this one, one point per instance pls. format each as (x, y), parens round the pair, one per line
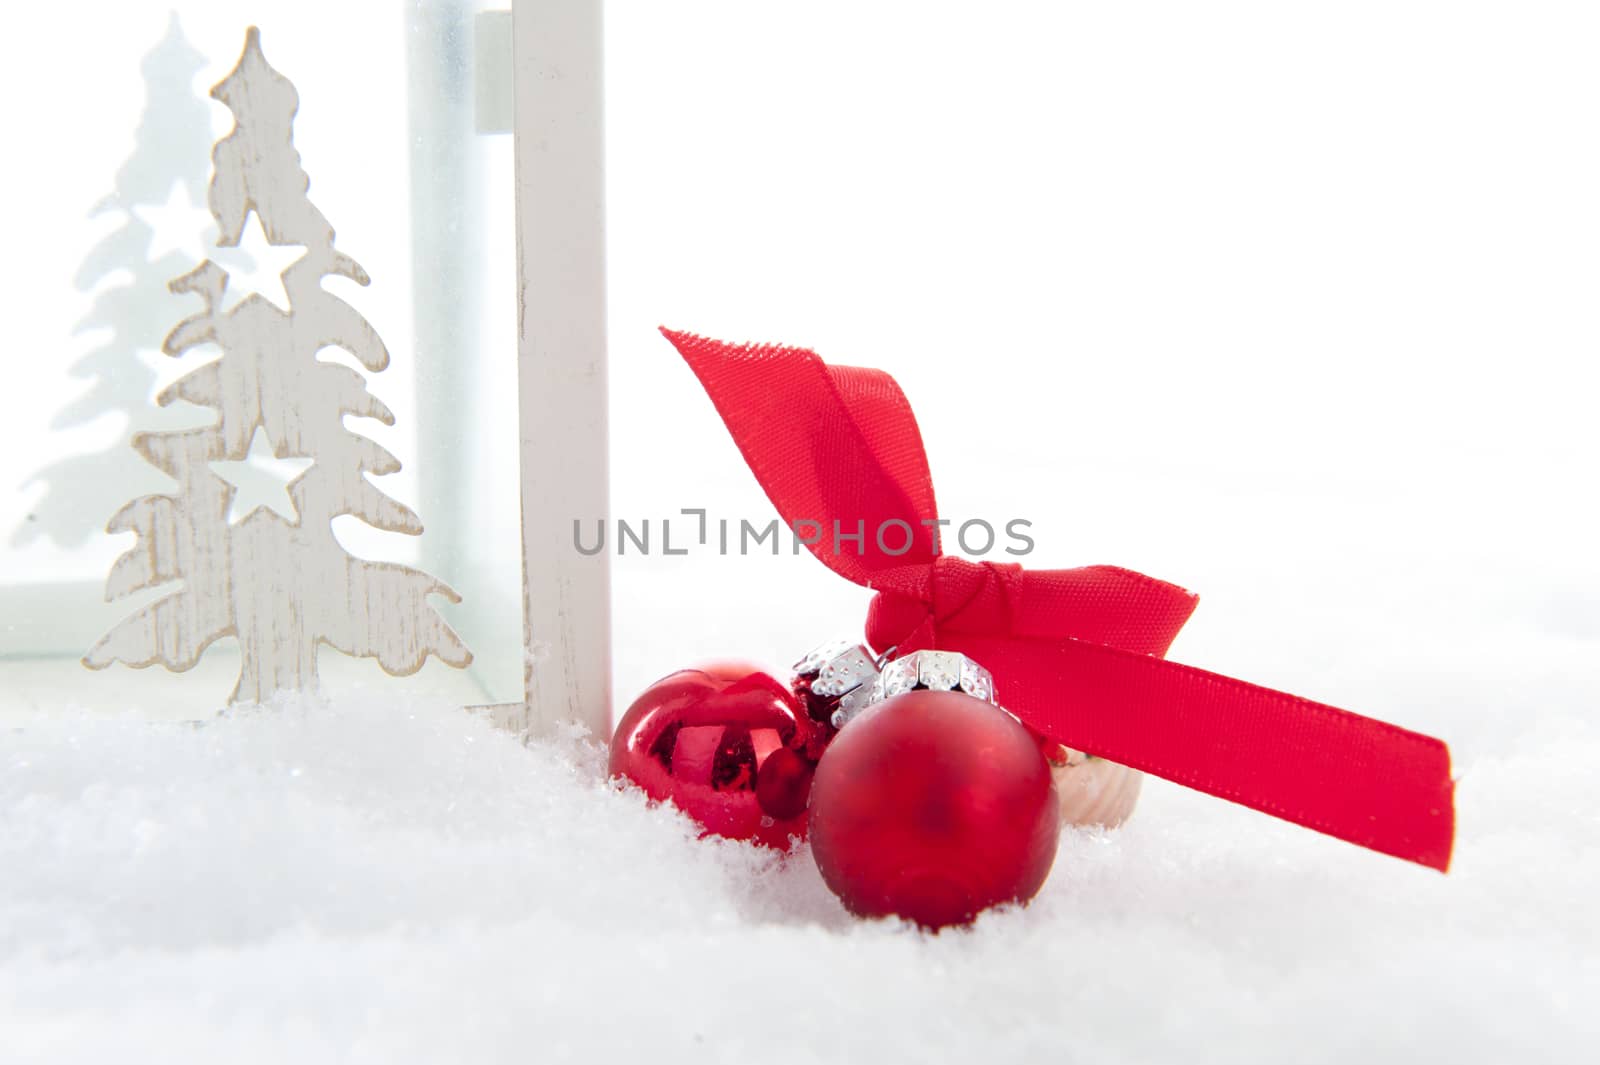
(373, 882)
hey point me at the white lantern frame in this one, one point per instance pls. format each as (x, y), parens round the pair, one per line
(561, 342)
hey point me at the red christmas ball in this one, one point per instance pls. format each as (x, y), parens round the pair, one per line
(933, 806)
(728, 744)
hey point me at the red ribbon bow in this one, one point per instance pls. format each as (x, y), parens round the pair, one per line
(1076, 653)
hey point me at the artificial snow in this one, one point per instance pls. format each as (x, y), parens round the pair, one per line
(369, 881)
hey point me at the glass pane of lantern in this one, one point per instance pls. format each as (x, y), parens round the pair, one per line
(402, 129)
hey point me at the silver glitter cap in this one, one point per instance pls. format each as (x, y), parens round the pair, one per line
(930, 671)
(840, 670)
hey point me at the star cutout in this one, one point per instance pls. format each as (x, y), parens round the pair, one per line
(179, 225)
(256, 268)
(261, 480)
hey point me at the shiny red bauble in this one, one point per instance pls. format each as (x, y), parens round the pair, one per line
(933, 806)
(728, 744)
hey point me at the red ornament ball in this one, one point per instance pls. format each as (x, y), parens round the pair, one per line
(728, 744)
(933, 806)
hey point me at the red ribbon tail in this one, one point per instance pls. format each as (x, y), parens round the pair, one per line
(1352, 777)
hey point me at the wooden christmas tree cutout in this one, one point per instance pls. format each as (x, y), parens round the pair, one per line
(282, 586)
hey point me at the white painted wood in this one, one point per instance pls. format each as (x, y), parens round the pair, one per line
(513, 717)
(282, 587)
(562, 355)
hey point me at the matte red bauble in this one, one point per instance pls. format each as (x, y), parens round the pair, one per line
(933, 806)
(728, 744)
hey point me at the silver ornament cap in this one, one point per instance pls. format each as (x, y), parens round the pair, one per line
(842, 670)
(930, 671)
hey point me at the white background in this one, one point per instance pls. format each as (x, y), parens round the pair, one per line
(1293, 305)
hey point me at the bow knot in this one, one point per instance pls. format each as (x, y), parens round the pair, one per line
(975, 596)
(949, 595)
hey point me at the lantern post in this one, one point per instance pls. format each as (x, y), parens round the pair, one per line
(562, 360)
